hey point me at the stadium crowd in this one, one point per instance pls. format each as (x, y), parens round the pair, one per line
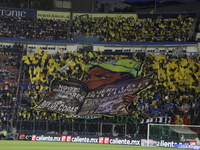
(9, 71)
(29, 28)
(175, 92)
(121, 29)
(107, 29)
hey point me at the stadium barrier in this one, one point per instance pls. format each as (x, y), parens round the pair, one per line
(108, 140)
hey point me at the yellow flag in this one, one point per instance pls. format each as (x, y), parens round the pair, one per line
(90, 54)
(51, 60)
(182, 71)
(62, 60)
(77, 61)
(188, 71)
(57, 65)
(174, 65)
(111, 27)
(181, 88)
(43, 59)
(155, 65)
(61, 50)
(197, 75)
(45, 56)
(134, 54)
(24, 57)
(198, 63)
(68, 60)
(184, 62)
(51, 68)
(72, 64)
(197, 90)
(77, 54)
(31, 56)
(34, 61)
(34, 71)
(165, 84)
(191, 80)
(27, 62)
(173, 87)
(157, 83)
(39, 50)
(74, 71)
(152, 12)
(180, 16)
(99, 50)
(159, 57)
(82, 67)
(41, 88)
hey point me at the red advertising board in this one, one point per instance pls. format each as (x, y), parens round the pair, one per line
(63, 138)
(22, 137)
(33, 138)
(106, 140)
(69, 139)
(101, 140)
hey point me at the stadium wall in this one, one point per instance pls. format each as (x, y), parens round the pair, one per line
(55, 46)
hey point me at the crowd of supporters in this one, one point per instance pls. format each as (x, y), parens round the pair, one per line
(107, 29)
(120, 29)
(9, 71)
(175, 93)
(29, 28)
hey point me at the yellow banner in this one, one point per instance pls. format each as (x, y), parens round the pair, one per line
(65, 16)
(92, 15)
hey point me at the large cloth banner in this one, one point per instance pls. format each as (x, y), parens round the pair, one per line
(106, 88)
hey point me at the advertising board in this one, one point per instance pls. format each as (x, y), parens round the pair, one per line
(64, 16)
(18, 13)
(85, 139)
